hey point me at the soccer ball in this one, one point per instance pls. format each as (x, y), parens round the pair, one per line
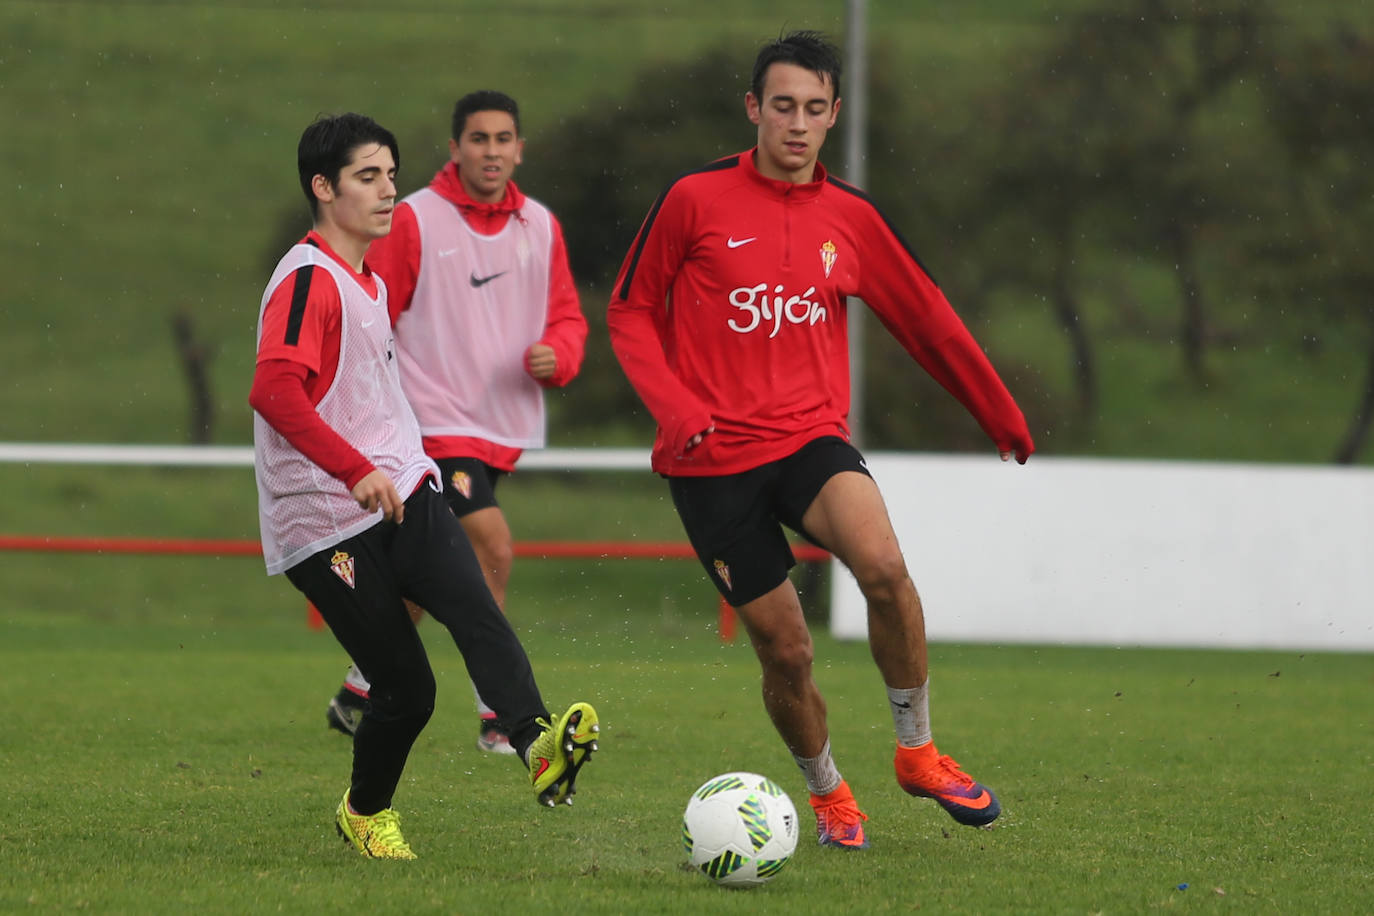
(739, 829)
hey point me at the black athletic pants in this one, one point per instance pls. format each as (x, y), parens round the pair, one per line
(357, 586)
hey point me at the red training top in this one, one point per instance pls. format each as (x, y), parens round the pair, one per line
(729, 310)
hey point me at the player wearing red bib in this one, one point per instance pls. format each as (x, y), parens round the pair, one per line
(728, 317)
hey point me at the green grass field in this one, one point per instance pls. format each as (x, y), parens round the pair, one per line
(171, 755)
(166, 748)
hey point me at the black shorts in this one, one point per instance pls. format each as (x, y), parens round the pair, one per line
(735, 521)
(469, 484)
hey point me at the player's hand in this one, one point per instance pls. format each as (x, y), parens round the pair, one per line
(1022, 449)
(540, 361)
(376, 491)
(697, 439)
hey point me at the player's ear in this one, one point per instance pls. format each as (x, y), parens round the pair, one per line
(751, 107)
(519, 150)
(324, 191)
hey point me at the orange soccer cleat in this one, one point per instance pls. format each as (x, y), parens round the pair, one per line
(926, 773)
(839, 822)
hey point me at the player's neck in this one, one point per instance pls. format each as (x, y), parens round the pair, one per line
(350, 248)
(768, 168)
(477, 196)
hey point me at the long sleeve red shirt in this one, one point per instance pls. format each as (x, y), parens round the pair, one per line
(729, 311)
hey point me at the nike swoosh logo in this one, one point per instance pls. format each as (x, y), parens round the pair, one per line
(368, 324)
(978, 802)
(447, 251)
(477, 281)
(901, 705)
(735, 243)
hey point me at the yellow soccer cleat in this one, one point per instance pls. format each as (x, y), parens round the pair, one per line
(559, 752)
(377, 836)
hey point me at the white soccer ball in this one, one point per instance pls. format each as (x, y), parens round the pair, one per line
(739, 829)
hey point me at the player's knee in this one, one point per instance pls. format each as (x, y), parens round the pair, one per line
(883, 579)
(500, 557)
(409, 697)
(495, 554)
(790, 659)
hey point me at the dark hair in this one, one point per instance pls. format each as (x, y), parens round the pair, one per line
(804, 48)
(483, 100)
(327, 146)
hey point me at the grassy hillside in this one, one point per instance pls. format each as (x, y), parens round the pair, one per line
(150, 146)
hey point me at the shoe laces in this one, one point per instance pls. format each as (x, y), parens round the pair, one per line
(947, 767)
(839, 817)
(385, 828)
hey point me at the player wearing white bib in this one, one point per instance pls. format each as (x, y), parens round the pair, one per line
(486, 316)
(348, 502)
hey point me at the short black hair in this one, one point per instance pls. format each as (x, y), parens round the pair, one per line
(327, 146)
(483, 100)
(805, 48)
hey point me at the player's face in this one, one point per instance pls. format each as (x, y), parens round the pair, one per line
(797, 109)
(360, 205)
(486, 154)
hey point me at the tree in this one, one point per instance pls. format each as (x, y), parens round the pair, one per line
(1322, 93)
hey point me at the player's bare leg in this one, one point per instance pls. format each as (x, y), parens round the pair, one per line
(783, 645)
(495, 548)
(849, 517)
(782, 642)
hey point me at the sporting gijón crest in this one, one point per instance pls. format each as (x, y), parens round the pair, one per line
(462, 483)
(342, 565)
(723, 571)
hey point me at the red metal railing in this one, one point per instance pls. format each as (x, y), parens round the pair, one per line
(628, 550)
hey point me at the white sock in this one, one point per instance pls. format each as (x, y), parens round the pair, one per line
(483, 710)
(354, 678)
(910, 714)
(821, 776)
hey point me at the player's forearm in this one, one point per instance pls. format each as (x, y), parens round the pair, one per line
(567, 336)
(963, 369)
(279, 397)
(679, 412)
(566, 327)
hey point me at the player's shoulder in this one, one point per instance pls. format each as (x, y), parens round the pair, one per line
(864, 214)
(699, 190)
(722, 171)
(419, 194)
(532, 206)
(311, 280)
(857, 206)
(843, 194)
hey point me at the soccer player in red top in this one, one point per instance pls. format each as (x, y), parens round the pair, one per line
(348, 502)
(487, 317)
(728, 317)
